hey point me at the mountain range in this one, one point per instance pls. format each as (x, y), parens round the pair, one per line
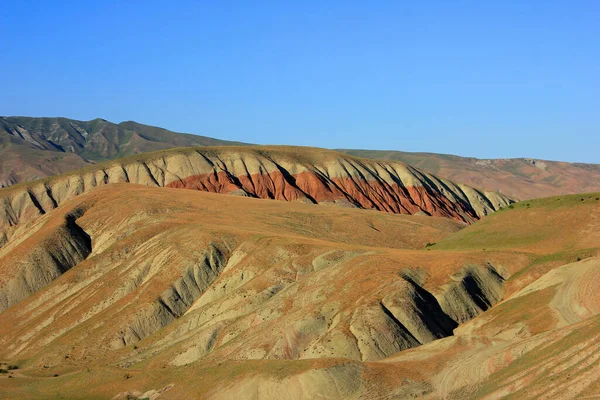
(522, 178)
(33, 148)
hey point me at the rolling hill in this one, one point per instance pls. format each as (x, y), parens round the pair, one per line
(175, 274)
(521, 178)
(134, 291)
(284, 173)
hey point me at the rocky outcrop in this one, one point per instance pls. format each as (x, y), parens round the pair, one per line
(282, 173)
(409, 316)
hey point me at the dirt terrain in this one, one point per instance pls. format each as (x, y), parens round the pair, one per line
(125, 290)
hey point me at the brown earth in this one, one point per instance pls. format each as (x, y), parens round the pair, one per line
(200, 276)
(521, 178)
(128, 290)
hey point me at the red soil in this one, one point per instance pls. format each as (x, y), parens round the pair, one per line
(311, 187)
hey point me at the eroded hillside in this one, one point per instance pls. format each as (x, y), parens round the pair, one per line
(130, 290)
(282, 173)
(171, 277)
(523, 178)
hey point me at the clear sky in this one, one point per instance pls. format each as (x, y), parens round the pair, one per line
(481, 78)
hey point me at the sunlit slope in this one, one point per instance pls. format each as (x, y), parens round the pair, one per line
(542, 340)
(539, 226)
(239, 278)
(262, 299)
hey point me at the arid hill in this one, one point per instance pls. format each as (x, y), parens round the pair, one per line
(522, 178)
(283, 173)
(34, 148)
(130, 291)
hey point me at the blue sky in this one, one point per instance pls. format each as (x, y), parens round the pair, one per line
(485, 79)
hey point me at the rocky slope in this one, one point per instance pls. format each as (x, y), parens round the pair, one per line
(522, 178)
(33, 148)
(282, 173)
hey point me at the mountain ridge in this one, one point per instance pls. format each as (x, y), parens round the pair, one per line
(282, 173)
(33, 148)
(523, 178)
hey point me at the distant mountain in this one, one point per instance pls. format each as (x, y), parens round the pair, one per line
(522, 178)
(32, 148)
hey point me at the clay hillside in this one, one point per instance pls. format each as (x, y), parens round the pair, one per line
(33, 148)
(283, 173)
(522, 178)
(132, 291)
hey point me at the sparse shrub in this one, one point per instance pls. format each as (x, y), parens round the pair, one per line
(3, 371)
(597, 198)
(581, 199)
(578, 258)
(511, 206)
(11, 367)
(430, 244)
(56, 375)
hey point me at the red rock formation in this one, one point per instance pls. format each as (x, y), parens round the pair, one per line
(282, 173)
(311, 187)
